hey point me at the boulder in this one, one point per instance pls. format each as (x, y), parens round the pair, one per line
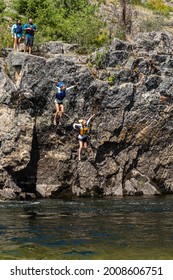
(139, 184)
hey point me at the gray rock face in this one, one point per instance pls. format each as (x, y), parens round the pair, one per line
(130, 148)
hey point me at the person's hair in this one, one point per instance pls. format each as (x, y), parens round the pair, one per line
(18, 20)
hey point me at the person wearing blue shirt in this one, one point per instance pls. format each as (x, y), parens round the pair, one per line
(30, 30)
(61, 90)
(17, 33)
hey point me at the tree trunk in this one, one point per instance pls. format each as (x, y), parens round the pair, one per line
(123, 11)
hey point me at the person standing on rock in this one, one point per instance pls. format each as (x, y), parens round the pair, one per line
(30, 30)
(60, 95)
(17, 33)
(83, 134)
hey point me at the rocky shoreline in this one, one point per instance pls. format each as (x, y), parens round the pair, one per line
(129, 88)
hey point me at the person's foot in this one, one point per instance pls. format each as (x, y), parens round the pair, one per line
(54, 122)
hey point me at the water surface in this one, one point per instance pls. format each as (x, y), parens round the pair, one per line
(108, 228)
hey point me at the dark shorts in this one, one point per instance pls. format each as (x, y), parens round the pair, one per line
(57, 101)
(84, 140)
(29, 41)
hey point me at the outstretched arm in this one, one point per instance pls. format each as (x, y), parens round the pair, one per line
(77, 125)
(73, 86)
(58, 89)
(88, 121)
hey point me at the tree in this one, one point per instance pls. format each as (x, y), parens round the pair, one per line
(126, 15)
(29, 7)
(2, 6)
(123, 11)
(84, 28)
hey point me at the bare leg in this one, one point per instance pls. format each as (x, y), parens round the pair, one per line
(15, 44)
(61, 113)
(85, 145)
(30, 49)
(56, 113)
(18, 44)
(80, 149)
(25, 48)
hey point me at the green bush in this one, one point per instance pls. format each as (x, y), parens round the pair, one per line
(111, 80)
(84, 28)
(99, 60)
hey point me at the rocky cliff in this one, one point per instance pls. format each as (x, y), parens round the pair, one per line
(129, 88)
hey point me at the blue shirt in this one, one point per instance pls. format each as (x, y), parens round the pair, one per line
(30, 33)
(13, 28)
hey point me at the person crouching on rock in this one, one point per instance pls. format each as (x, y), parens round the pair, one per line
(60, 95)
(83, 134)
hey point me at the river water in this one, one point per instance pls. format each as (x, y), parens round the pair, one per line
(107, 228)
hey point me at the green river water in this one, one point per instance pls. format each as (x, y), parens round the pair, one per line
(82, 229)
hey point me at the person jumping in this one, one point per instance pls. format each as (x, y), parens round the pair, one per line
(83, 134)
(60, 95)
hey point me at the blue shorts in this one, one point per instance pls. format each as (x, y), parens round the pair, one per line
(29, 41)
(15, 35)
